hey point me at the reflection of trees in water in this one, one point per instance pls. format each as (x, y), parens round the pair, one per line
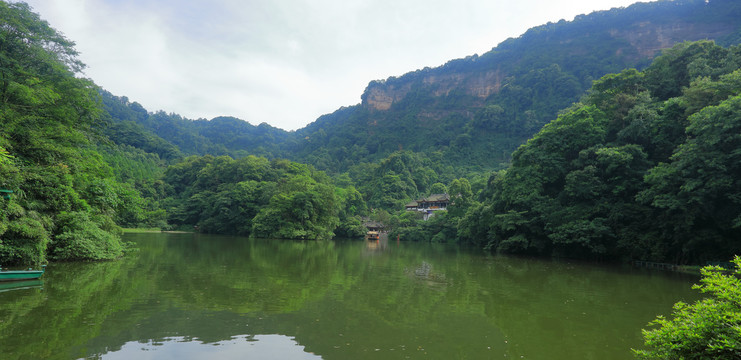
(441, 298)
(72, 307)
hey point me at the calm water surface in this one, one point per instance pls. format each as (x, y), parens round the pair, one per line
(192, 296)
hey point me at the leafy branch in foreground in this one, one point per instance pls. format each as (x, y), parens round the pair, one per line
(708, 329)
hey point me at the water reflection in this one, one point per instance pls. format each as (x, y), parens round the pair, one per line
(21, 285)
(264, 347)
(186, 294)
(380, 244)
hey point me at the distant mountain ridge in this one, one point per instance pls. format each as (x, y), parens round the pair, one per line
(638, 37)
(471, 113)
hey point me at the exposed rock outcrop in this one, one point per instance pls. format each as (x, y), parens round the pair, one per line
(644, 38)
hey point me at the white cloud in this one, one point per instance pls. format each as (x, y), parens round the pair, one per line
(281, 62)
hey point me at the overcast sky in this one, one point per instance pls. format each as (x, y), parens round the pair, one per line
(284, 62)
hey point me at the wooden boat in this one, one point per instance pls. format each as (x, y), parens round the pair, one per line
(17, 275)
(372, 235)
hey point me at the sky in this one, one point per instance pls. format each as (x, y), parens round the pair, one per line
(283, 62)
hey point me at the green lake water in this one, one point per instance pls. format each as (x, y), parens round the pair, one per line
(194, 296)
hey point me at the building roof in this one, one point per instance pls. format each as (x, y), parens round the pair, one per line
(435, 198)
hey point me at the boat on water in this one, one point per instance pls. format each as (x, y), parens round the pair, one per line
(18, 275)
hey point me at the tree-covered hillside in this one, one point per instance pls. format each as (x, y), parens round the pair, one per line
(219, 136)
(470, 113)
(461, 119)
(647, 166)
(644, 166)
(475, 111)
(65, 198)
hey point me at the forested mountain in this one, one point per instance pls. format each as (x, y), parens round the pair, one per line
(642, 165)
(458, 120)
(470, 113)
(647, 166)
(219, 136)
(476, 111)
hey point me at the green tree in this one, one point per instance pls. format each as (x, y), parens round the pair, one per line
(700, 189)
(67, 195)
(80, 237)
(257, 197)
(707, 329)
(438, 188)
(636, 170)
(461, 197)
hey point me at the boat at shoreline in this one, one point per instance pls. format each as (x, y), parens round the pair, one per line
(18, 275)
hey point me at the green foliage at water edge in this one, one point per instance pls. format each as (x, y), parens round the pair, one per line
(707, 329)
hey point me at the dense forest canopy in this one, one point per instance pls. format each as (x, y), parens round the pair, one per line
(66, 198)
(557, 159)
(469, 114)
(475, 111)
(644, 166)
(254, 196)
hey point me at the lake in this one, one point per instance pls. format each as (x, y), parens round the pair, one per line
(196, 296)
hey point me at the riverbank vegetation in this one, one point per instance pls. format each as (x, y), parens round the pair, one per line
(66, 199)
(255, 196)
(645, 166)
(706, 329)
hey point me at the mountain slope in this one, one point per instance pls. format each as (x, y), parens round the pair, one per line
(645, 167)
(220, 136)
(475, 111)
(471, 113)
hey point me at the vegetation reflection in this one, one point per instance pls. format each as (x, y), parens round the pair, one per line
(338, 299)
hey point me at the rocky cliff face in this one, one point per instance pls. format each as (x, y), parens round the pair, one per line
(649, 39)
(643, 37)
(380, 95)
